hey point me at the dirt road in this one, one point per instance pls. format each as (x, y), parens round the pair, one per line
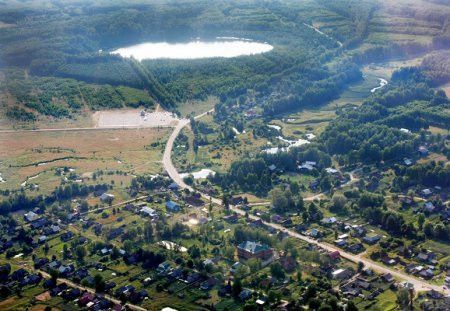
(419, 284)
(90, 290)
(81, 129)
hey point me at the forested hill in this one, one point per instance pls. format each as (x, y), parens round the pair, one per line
(318, 45)
(73, 40)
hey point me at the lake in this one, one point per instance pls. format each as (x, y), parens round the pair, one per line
(194, 49)
(203, 173)
(291, 144)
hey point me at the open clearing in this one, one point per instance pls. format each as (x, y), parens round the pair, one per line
(37, 154)
(196, 107)
(446, 88)
(133, 118)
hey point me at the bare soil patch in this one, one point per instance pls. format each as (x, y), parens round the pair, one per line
(133, 118)
(44, 296)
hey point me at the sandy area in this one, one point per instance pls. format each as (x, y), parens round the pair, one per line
(133, 118)
(446, 88)
(44, 296)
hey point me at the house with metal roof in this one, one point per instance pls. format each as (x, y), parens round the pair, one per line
(250, 249)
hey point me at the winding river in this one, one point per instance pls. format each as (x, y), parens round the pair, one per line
(383, 83)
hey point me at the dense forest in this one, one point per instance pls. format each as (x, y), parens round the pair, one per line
(388, 126)
(305, 68)
(59, 97)
(71, 40)
(371, 133)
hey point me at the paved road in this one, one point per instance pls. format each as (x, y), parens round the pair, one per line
(419, 284)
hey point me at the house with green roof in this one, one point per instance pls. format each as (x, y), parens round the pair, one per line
(250, 249)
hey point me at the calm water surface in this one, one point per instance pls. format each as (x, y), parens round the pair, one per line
(194, 49)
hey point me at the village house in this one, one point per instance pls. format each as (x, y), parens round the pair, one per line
(172, 207)
(329, 220)
(66, 270)
(426, 192)
(66, 236)
(340, 242)
(315, 233)
(343, 236)
(150, 212)
(276, 219)
(314, 184)
(40, 262)
(55, 229)
(388, 261)
(371, 239)
(406, 201)
(85, 299)
(405, 130)
(427, 273)
(387, 277)
(237, 200)
(208, 284)
(332, 171)
(334, 255)
(164, 268)
(408, 162)
(249, 249)
(194, 200)
(428, 257)
(288, 263)
(234, 267)
(257, 223)
(358, 230)
(307, 166)
(232, 219)
(341, 274)
(114, 233)
(245, 294)
(423, 151)
(30, 216)
(39, 223)
(106, 197)
(355, 248)
(429, 207)
(174, 186)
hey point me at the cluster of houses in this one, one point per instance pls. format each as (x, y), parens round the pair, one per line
(427, 265)
(433, 198)
(84, 299)
(143, 209)
(41, 224)
(423, 264)
(347, 240)
(364, 285)
(9, 281)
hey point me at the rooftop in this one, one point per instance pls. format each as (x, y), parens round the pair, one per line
(253, 247)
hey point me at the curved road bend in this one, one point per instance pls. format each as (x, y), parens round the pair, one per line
(419, 285)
